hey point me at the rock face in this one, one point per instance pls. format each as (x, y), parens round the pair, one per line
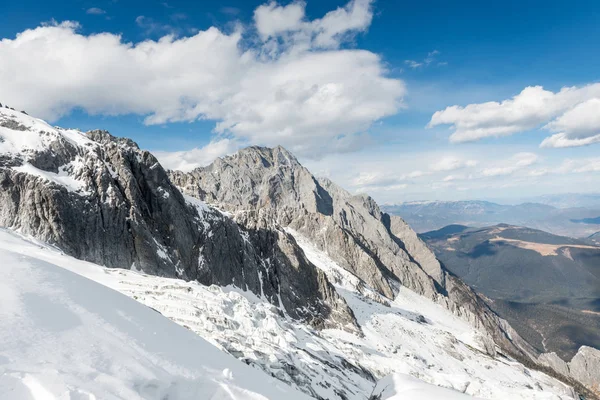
(381, 250)
(351, 229)
(102, 199)
(585, 368)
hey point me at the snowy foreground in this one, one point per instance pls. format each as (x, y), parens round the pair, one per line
(63, 336)
(66, 337)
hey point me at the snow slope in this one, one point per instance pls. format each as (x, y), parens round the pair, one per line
(23, 136)
(405, 387)
(63, 336)
(411, 336)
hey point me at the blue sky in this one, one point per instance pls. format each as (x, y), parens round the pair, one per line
(413, 58)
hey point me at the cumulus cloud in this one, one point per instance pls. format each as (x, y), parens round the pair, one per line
(289, 23)
(272, 19)
(198, 157)
(303, 92)
(572, 112)
(580, 126)
(517, 162)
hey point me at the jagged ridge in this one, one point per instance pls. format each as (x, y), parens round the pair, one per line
(102, 199)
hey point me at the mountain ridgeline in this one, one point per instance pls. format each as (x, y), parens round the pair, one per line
(103, 199)
(263, 184)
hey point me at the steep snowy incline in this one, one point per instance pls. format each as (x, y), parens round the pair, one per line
(63, 336)
(405, 387)
(411, 335)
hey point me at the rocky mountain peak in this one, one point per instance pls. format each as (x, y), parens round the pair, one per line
(102, 199)
(349, 227)
(275, 157)
(104, 137)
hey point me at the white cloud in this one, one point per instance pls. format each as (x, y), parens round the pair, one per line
(528, 110)
(272, 19)
(561, 140)
(95, 11)
(451, 164)
(580, 126)
(198, 157)
(430, 59)
(456, 177)
(413, 64)
(517, 162)
(151, 27)
(579, 166)
(393, 175)
(309, 96)
(289, 22)
(381, 179)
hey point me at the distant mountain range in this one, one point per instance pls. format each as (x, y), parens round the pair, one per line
(546, 286)
(431, 215)
(568, 200)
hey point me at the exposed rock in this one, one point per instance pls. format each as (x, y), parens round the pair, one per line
(348, 228)
(102, 199)
(585, 368)
(381, 250)
(553, 361)
(414, 246)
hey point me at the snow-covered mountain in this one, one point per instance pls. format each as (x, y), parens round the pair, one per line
(64, 335)
(271, 187)
(102, 199)
(286, 272)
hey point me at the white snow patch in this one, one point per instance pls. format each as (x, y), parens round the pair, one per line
(325, 363)
(63, 336)
(63, 178)
(405, 387)
(199, 204)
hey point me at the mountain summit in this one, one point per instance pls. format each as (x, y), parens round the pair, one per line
(315, 286)
(102, 199)
(269, 187)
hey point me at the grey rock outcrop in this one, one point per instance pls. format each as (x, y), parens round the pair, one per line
(416, 248)
(585, 368)
(553, 361)
(381, 250)
(102, 199)
(349, 228)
